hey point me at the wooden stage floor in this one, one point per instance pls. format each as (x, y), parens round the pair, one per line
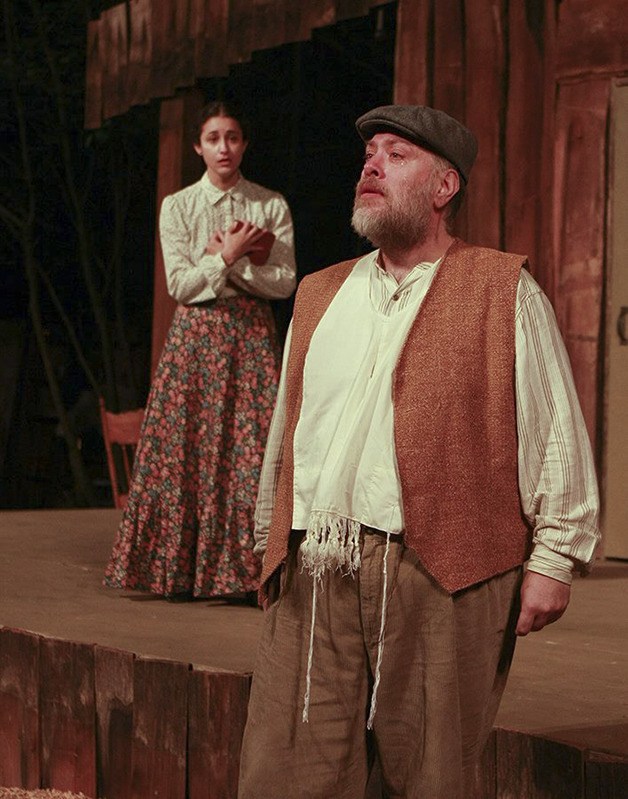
(569, 682)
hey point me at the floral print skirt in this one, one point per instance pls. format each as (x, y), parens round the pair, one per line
(187, 528)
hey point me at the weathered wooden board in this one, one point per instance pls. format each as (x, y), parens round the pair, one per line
(210, 37)
(523, 133)
(606, 777)
(448, 89)
(113, 671)
(579, 230)
(93, 77)
(484, 90)
(269, 23)
(535, 768)
(411, 52)
(114, 49)
(159, 729)
(68, 716)
(486, 777)
(592, 36)
(140, 53)
(173, 53)
(19, 709)
(217, 709)
(316, 14)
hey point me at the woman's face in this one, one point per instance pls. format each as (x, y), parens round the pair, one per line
(221, 145)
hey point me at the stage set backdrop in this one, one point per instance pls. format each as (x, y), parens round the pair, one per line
(543, 84)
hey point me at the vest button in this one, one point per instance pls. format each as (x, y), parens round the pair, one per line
(395, 297)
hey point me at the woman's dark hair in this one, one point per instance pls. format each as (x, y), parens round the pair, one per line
(221, 108)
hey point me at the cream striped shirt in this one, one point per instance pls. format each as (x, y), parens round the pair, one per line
(557, 482)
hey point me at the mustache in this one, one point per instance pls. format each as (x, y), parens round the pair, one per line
(370, 184)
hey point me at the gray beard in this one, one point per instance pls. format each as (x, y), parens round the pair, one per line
(398, 226)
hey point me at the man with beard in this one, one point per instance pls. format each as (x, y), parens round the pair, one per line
(427, 441)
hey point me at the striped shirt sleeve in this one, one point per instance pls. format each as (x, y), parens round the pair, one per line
(557, 481)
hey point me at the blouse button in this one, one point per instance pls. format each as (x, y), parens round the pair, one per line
(395, 297)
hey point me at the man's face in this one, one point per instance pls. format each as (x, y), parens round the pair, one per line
(394, 196)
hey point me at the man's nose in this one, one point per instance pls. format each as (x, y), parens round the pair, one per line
(372, 167)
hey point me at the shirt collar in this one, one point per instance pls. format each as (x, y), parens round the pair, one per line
(215, 194)
(422, 266)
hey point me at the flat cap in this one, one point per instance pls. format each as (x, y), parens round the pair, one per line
(429, 128)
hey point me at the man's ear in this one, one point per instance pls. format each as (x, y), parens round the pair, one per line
(448, 187)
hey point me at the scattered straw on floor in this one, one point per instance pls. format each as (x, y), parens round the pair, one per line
(22, 793)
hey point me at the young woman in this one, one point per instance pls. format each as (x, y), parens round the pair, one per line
(187, 530)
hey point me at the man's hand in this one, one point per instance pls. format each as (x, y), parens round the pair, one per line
(543, 600)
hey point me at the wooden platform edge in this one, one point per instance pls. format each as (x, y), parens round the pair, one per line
(105, 722)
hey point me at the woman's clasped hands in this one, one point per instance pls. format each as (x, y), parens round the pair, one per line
(239, 239)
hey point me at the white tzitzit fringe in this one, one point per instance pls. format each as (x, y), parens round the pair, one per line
(380, 646)
(331, 543)
(308, 676)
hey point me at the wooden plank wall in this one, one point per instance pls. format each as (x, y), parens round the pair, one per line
(532, 79)
(102, 722)
(92, 720)
(160, 46)
(591, 52)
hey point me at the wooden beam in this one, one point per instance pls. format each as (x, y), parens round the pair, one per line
(178, 166)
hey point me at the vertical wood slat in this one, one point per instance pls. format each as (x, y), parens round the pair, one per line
(528, 766)
(316, 14)
(68, 716)
(240, 34)
(448, 90)
(114, 60)
(592, 37)
(210, 44)
(486, 775)
(524, 134)
(178, 166)
(19, 709)
(269, 23)
(93, 77)
(484, 82)
(114, 712)
(545, 268)
(579, 225)
(159, 728)
(173, 51)
(350, 9)
(411, 52)
(217, 710)
(606, 776)
(140, 53)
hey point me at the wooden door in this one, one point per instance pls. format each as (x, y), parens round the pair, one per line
(616, 462)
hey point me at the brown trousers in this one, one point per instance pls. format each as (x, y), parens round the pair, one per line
(444, 668)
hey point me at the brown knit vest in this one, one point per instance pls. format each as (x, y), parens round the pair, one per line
(454, 418)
